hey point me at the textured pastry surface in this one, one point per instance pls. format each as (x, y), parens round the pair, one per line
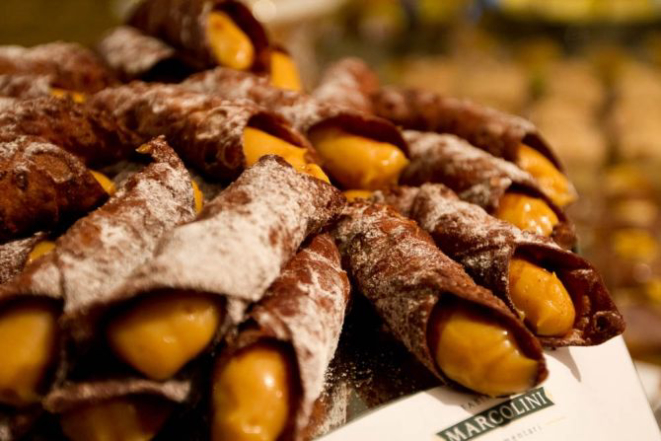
(350, 82)
(132, 54)
(182, 24)
(41, 185)
(496, 132)
(94, 137)
(475, 175)
(66, 65)
(242, 239)
(485, 245)
(302, 111)
(206, 131)
(397, 266)
(305, 307)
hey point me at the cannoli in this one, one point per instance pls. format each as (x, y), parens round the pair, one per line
(219, 138)
(92, 136)
(498, 186)
(358, 150)
(118, 409)
(505, 136)
(42, 186)
(458, 330)
(559, 296)
(291, 337)
(134, 55)
(95, 255)
(350, 83)
(206, 273)
(206, 33)
(68, 66)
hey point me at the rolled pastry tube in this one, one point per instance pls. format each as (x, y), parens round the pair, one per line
(127, 409)
(267, 379)
(218, 137)
(559, 295)
(349, 82)
(459, 330)
(95, 138)
(69, 274)
(358, 150)
(206, 33)
(134, 55)
(498, 186)
(68, 66)
(503, 135)
(42, 186)
(213, 268)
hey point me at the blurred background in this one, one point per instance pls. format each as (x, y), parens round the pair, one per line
(587, 72)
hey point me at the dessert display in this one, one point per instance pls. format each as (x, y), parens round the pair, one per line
(187, 237)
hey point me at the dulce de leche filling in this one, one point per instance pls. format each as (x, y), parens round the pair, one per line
(252, 394)
(478, 352)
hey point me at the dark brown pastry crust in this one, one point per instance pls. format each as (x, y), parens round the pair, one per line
(350, 83)
(68, 66)
(182, 24)
(92, 136)
(396, 265)
(485, 245)
(496, 132)
(475, 175)
(14, 254)
(25, 86)
(240, 242)
(133, 55)
(304, 309)
(302, 111)
(206, 131)
(41, 186)
(72, 395)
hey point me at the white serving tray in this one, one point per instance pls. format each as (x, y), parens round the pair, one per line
(591, 394)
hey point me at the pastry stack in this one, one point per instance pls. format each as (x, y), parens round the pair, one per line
(183, 230)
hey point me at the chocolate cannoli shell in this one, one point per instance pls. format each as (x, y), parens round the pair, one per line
(182, 24)
(69, 66)
(73, 395)
(485, 245)
(133, 55)
(206, 131)
(303, 112)
(304, 308)
(475, 175)
(240, 242)
(92, 136)
(350, 83)
(41, 186)
(496, 132)
(99, 252)
(25, 86)
(14, 254)
(399, 269)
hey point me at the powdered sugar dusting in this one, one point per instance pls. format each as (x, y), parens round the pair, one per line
(400, 270)
(14, 254)
(349, 83)
(306, 306)
(244, 237)
(99, 251)
(129, 51)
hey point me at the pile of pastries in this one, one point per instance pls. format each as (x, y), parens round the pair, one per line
(183, 231)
